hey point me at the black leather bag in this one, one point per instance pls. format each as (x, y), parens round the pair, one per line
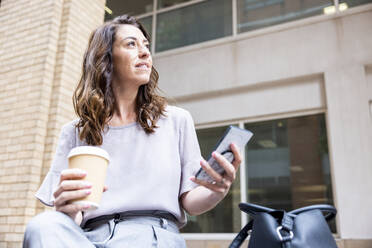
(301, 228)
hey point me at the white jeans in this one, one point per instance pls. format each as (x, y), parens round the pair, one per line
(55, 229)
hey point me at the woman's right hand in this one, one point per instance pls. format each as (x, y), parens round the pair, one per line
(71, 186)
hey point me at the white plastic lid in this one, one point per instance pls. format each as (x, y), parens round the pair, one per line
(92, 150)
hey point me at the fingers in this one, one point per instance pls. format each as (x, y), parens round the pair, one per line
(72, 208)
(105, 188)
(70, 195)
(210, 171)
(221, 182)
(69, 181)
(237, 156)
(222, 161)
(219, 188)
(72, 174)
(69, 185)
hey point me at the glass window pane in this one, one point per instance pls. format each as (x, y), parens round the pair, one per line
(225, 217)
(253, 14)
(168, 3)
(192, 24)
(119, 7)
(352, 3)
(147, 24)
(288, 163)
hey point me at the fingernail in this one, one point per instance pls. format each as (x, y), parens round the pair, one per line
(87, 192)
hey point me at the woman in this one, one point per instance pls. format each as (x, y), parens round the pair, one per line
(153, 149)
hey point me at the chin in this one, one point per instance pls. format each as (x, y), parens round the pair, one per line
(143, 82)
(141, 79)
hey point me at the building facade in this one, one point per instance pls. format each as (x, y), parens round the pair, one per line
(298, 74)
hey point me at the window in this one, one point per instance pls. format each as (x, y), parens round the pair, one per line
(189, 22)
(147, 24)
(287, 166)
(253, 14)
(118, 7)
(192, 24)
(352, 3)
(287, 163)
(169, 3)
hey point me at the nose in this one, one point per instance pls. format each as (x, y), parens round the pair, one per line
(143, 52)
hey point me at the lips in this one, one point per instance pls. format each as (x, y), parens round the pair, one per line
(143, 64)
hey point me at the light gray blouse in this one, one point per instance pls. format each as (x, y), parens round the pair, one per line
(146, 171)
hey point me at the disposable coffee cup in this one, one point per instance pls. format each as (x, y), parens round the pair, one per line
(94, 161)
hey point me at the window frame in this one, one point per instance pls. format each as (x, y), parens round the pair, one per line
(234, 22)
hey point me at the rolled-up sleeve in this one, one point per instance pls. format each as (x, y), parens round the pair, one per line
(189, 153)
(59, 163)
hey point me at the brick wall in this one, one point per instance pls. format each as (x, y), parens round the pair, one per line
(78, 21)
(41, 48)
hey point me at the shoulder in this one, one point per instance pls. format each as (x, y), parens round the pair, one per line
(180, 118)
(177, 113)
(69, 127)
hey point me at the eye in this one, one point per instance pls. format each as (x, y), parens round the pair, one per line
(131, 43)
(148, 46)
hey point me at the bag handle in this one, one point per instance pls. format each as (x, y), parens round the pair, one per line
(242, 235)
(252, 209)
(330, 211)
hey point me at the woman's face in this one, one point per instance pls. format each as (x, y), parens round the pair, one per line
(132, 60)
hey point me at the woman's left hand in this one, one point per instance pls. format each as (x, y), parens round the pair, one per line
(221, 183)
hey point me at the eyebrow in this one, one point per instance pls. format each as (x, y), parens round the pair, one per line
(134, 38)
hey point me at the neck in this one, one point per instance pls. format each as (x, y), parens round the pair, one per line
(125, 104)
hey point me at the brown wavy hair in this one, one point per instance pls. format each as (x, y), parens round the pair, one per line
(93, 98)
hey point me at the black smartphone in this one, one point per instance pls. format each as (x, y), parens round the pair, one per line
(236, 135)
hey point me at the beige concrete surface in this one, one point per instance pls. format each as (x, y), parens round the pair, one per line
(348, 243)
(318, 65)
